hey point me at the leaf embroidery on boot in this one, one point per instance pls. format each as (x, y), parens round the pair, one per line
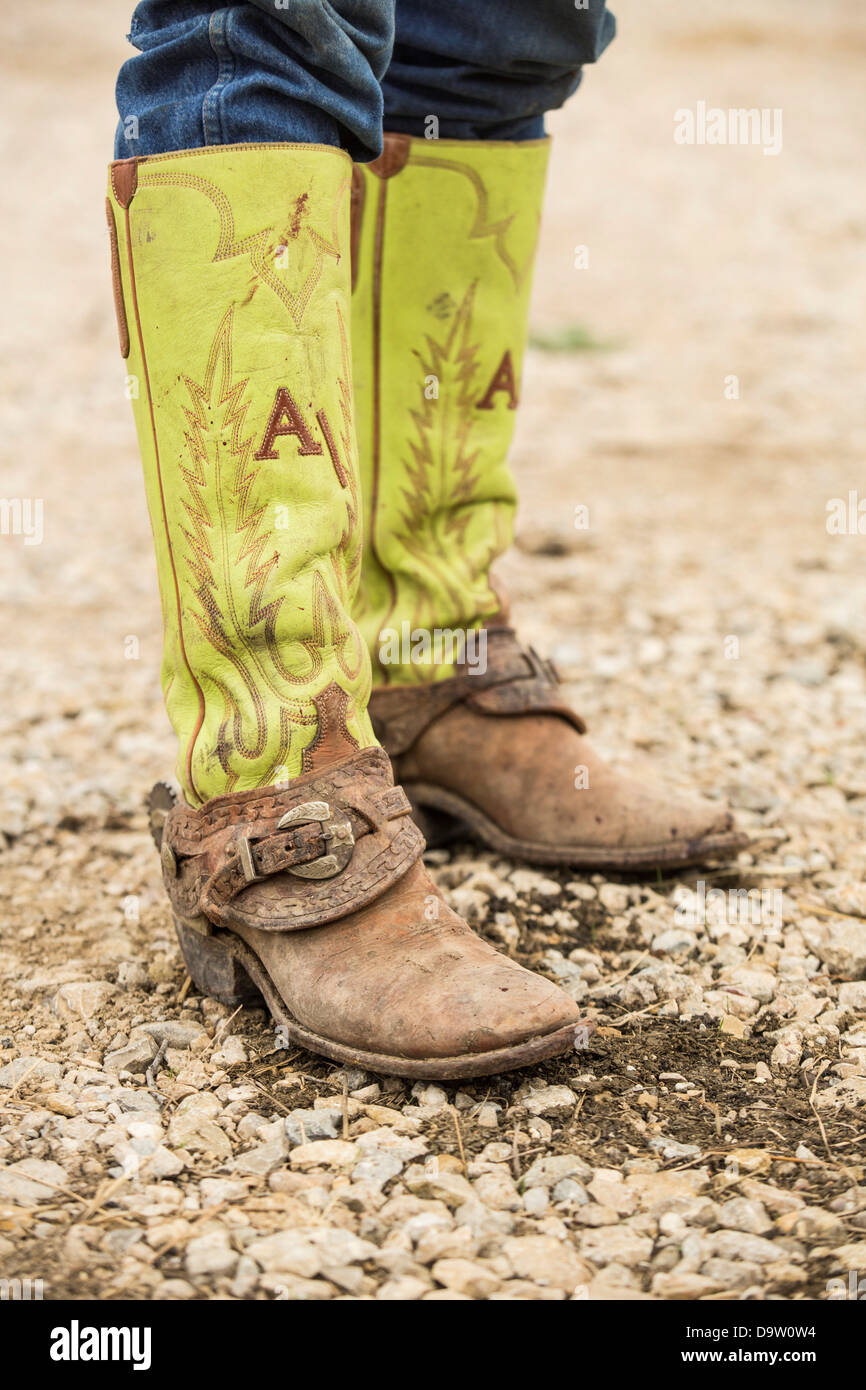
(443, 474)
(233, 563)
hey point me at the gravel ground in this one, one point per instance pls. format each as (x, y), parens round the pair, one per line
(709, 1144)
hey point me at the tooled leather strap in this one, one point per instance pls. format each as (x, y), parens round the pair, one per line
(297, 856)
(252, 855)
(256, 814)
(516, 681)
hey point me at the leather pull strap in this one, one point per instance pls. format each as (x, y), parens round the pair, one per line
(356, 206)
(396, 148)
(117, 282)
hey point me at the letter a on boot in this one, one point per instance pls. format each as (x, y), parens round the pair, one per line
(292, 863)
(444, 241)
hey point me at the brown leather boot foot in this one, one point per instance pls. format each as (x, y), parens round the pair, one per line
(314, 896)
(501, 755)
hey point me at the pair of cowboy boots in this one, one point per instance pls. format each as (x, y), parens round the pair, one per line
(324, 365)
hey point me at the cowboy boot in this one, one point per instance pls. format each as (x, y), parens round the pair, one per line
(444, 236)
(291, 864)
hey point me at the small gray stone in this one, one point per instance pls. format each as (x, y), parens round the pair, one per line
(132, 1101)
(738, 1245)
(550, 1100)
(136, 1057)
(198, 1134)
(848, 898)
(466, 1277)
(339, 1247)
(173, 1289)
(567, 1190)
(672, 943)
(263, 1159)
(401, 1290)
(488, 1115)
(672, 1148)
(377, 1168)
(751, 980)
(164, 1164)
(210, 1254)
(852, 995)
(31, 1180)
(450, 1188)
(173, 1033)
(788, 1050)
(303, 1126)
(82, 999)
(731, 1274)
(387, 1140)
(498, 1190)
(287, 1251)
(683, 1285)
(536, 1200)
(613, 896)
(29, 1069)
(742, 1214)
(547, 1261)
(550, 1169)
(482, 1221)
(245, 1278)
(813, 1225)
(838, 944)
(605, 1244)
(231, 1052)
(426, 1094)
(200, 1103)
(216, 1190)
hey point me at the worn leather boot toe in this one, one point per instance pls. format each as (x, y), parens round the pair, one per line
(314, 897)
(501, 755)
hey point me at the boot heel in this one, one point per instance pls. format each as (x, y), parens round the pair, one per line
(437, 827)
(214, 968)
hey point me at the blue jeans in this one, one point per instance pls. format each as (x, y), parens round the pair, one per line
(333, 71)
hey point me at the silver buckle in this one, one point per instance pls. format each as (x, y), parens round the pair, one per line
(336, 832)
(245, 855)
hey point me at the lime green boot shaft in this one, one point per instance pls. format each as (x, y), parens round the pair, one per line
(444, 236)
(232, 283)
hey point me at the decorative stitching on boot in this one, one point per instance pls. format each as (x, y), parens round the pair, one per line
(259, 246)
(284, 407)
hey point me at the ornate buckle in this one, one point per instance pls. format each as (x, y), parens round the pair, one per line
(336, 832)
